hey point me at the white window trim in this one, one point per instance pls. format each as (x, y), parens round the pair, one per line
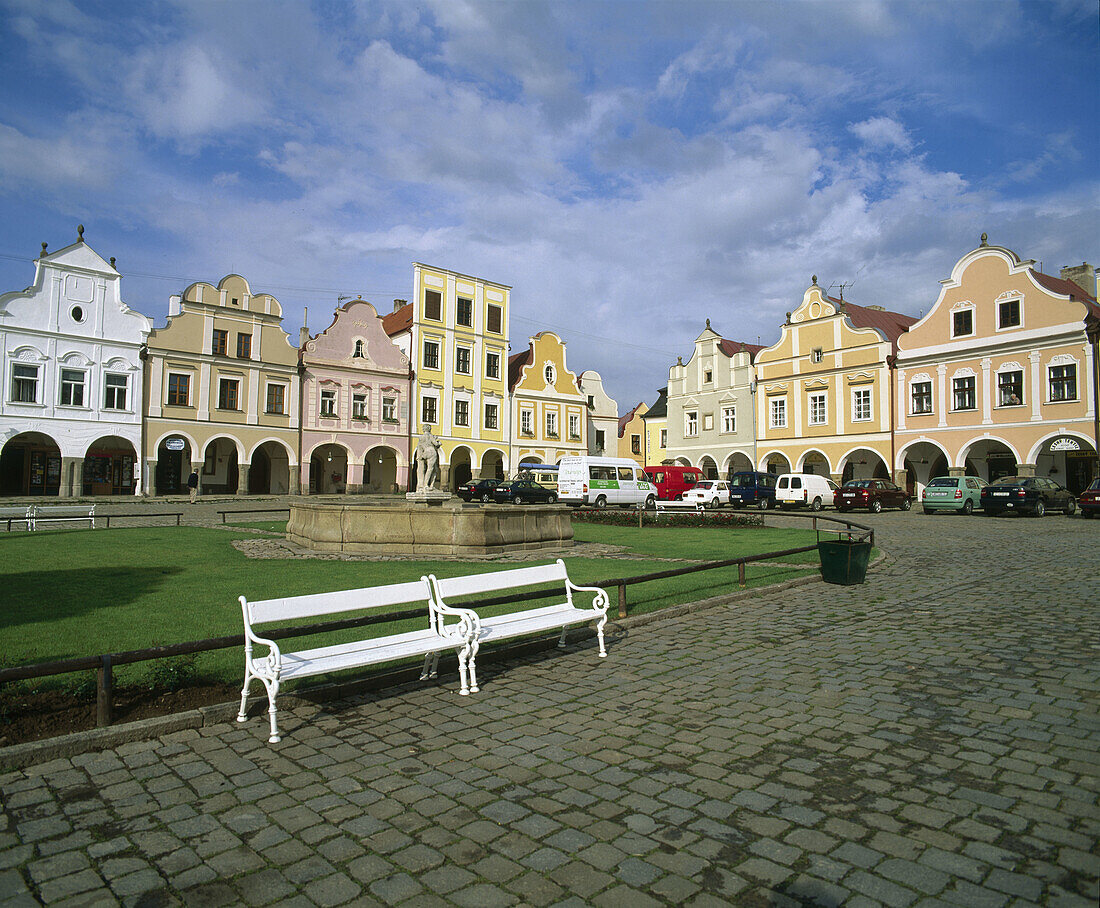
(83, 387)
(963, 376)
(435, 406)
(691, 424)
(973, 321)
(125, 388)
(856, 392)
(1008, 297)
(913, 411)
(488, 374)
(438, 355)
(454, 415)
(824, 398)
(469, 359)
(322, 399)
(1061, 361)
(485, 418)
(777, 406)
(37, 383)
(527, 416)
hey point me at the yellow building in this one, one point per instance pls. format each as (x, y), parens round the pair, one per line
(221, 394)
(455, 333)
(632, 434)
(823, 391)
(548, 408)
(655, 441)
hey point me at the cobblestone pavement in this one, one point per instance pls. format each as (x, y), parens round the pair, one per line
(930, 737)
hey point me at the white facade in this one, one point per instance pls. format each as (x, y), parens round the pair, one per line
(603, 415)
(71, 382)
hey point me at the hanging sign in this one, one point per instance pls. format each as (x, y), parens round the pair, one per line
(1065, 444)
(175, 444)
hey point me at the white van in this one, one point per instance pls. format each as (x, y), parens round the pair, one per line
(600, 481)
(796, 490)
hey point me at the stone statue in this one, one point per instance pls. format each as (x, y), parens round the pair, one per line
(427, 461)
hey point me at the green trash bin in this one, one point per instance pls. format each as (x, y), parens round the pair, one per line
(844, 561)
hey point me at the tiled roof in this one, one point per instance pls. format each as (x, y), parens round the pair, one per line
(516, 362)
(1067, 288)
(732, 347)
(659, 409)
(398, 321)
(623, 420)
(892, 324)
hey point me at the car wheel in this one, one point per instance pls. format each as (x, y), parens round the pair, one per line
(815, 505)
(553, 499)
(714, 504)
(968, 506)
(1071, 508)
(876, 507)
(929, 511)
(651, 503)
(486, 498)
(517, 500)
(764, 504)
(906, 504)
(1040, 508)
(600, 502)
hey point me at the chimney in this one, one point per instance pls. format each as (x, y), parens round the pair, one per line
(174, 305)
(303, 332)
(397, 304)
(1083, 275)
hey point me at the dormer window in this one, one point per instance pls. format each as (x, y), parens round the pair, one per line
(817, 355)
(962, 323)
(358, 354)
(708, 377)
(548, 374)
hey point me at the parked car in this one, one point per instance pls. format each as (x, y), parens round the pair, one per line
(795, 490)
(872, 494)
(524, 491)
(1090, 499)
(961, 494)
(710, 493)
(672, 480)
(478, 490)
(1034, 495)
(751, 488)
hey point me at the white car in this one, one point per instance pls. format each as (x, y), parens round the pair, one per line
(710, 493)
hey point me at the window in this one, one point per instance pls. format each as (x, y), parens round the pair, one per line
(817, 410)
(114, 393)
(220, 343)
(465, 312)
(708, 422)
(574, 426)
(526, 422)
(494, 320)
(228, 393)
(1008, 314)
(691, 423)
(635, 444)
(861, 404)
(431, 355)
(962, 396)
(548, 374)
(817, 355)
(433, 305)
(462, 360)
(244, 346)
(551, 424)
(708, 376)
(428, 410)
(462, 412)
(24, 384)
(72, 388)
(664, 438)
(491, 421)
(1063, 382)
(599, 439)
(492, 365)
(778, 413)
(729, 419)
(179, 387)
(389, 409)
(276, 396)
(962, 323)
(1010, 389)
(922, 397)
(358, 406)
(358, 353)
(328, 402)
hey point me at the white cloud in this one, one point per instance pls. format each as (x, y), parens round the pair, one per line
(882, 132)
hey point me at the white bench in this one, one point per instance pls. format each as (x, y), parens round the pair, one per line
(680, 506)
(57, 513)
(276, 666)
(10, 514)
(529, 621)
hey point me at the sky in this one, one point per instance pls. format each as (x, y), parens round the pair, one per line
(630, 169)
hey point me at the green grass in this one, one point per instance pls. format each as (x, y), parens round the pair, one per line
(83, 592)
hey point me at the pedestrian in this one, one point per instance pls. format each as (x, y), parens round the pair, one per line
(193, 485)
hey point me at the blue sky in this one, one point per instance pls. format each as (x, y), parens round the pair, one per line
(629, 168)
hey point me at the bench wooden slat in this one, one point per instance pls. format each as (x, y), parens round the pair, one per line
(501, 580)
(267, 610)
(504, 627)
(353, 655)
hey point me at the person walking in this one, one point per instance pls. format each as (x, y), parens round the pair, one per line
(193, 485)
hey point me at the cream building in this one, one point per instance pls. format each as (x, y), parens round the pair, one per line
(455, 333)
(602, 417)
(632, 433)
(221, 392)
(655, 439)
(548, 408)
(823, 396)
(999, 378)
(711, 423)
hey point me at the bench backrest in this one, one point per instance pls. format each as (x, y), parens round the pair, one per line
(541, 574)
(266, 611)
(76, 510)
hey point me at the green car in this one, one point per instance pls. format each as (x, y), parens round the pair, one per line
(960, 494)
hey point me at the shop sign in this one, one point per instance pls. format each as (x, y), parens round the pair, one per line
(175, 444)
(1064, 444)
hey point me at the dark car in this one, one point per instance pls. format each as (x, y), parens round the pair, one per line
(1033, 495)
(524, 491)
(1090, 499)
(478, 490)
(749, 488)
(872, 494)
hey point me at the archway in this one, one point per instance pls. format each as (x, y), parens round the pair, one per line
(492, 465)
(1068, 459)
(989, 459)
(738, 463)
(173, 466)
(30, 464)
(328, 470)
(863, 463)
(461, 467)
(109, 467)
(269, 470)
(220, 473)
(683, 461)
(380, 470)
(814, 462)
(777, 463)
(709, 467)
(922, 462)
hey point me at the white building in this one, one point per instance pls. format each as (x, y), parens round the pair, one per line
(71, 402)
(603, 415)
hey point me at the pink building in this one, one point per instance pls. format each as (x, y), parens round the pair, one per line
(355, 406)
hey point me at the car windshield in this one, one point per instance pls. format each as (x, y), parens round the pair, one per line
(1095, 487)
(949, 482)
(741, 479)
(705, 484)
(1008, 481)
(859, 484)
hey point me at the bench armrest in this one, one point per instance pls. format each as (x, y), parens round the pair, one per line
(274, 655)
(599, 603)
(467, 617)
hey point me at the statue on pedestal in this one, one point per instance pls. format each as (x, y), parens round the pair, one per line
(427, 461)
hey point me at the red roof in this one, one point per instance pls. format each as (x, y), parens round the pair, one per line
(730, 347)
(1067, 288)
(399, 320)
(623, 420)
(892, 324)
(516, 362)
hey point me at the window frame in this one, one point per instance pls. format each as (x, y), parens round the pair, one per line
(463, 356)
(281, 389)
(635, 443)
(1062, 380)
(436, 298)
(664, 438)
(71, 385)
(492, 364)
(818, 400)
(173, 389)
(958, 386)
(360, 406)
(955, 314)
(219, 342)
(468, 310)
(247, 343)
(492, 410)
(19, 381)
(429, 401)
(777, 413)
(462, 413)
(1017, 387)
(108, 388)
(551, 423)
(436, 355)
(691, 424)
(574, 426)
(857, 395)
(328, 401)
(1015, 302)
(389, 409)
(527, 421)
(490, 318)
(224, 385)
(913, 396)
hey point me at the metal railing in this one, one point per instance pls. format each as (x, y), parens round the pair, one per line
(254, 511)
(104, 664)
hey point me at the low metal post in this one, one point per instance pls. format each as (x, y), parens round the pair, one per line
(622, 600)
(104, 689)
(741, 575)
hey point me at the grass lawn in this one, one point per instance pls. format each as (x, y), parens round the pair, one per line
(84, 592)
